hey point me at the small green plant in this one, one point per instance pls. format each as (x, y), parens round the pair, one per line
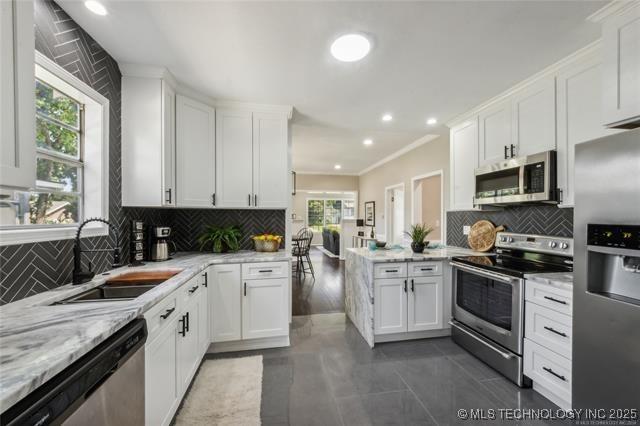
(222, 239)
(418, 232)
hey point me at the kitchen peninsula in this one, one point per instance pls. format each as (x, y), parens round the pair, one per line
(399, 295)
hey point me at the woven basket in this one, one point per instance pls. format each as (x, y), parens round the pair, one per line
(267, 245)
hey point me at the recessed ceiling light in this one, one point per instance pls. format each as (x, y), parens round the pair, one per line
(387, 117)
(350, 47)
(96, 7)
(432, 121)
(367, 141)
(337, 167)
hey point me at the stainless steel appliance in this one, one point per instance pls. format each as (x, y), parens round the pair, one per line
(161, 244)
(104, 387)
(606, 289)
(488, 297)
(518, 180)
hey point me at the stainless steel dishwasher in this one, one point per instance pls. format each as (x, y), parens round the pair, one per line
(104, 387)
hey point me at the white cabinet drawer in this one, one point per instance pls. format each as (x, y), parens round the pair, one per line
(548, 328)
(549, 296)
(425, 269)
(252, 271)
(161, 314)
(548, 369)
(390, 270)
(188, 291)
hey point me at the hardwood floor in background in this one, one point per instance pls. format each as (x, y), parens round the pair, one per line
(326, 293)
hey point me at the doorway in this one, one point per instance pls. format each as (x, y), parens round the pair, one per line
(394, 213)
(426, 203)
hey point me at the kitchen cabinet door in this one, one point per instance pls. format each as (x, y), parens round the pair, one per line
(534, 118)
(425, 304)
(195, 153)
(495, 133)
(203, 313)
(579, 116)
(234, 166)
(168, 145)
(270, 161)
(265, 308)
(463, 162)
(161, 379)
(621, 39)
(188, 354)
(225, 310)
(17, 95)
(390, 306)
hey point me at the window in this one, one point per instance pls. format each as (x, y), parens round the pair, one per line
(328, 213)
(71, 182)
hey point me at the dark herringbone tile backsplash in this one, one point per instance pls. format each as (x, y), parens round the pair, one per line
(541, 220)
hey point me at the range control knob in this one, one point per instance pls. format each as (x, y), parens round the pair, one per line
(503, 239)
(553, 244)
(564, 246)
(509, 239)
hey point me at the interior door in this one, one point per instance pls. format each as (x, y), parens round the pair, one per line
(270, 161)
(224, 303)
(390, 306)
(425, 303)
(196, 153)
(234, 167)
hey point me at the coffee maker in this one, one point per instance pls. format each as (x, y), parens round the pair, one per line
(159, 246)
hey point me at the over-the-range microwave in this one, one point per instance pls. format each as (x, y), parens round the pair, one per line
(530, 179)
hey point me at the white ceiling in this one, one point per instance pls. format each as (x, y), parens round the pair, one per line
(428, 59)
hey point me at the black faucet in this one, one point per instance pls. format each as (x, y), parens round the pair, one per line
(80, 276)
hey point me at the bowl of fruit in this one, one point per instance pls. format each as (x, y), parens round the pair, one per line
(267, 242)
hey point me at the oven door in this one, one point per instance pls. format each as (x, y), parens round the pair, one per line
(490, 303)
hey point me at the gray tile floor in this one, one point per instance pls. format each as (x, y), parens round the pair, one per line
(329, 376)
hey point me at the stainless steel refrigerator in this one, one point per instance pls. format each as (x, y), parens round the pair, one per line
(606, 290)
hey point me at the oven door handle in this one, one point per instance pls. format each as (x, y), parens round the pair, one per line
(485, 273)
(505, 355)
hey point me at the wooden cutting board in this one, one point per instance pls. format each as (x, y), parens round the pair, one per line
(482, 236)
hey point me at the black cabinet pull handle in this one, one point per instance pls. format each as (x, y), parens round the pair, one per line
(187, 322)
(405, 286)
(166, 314)
(512, 148)
(505, 152)
(193, 289)
(553, 299)
(294, 183)
(413, 288)
(206, 279)
(426, 269)
(391, 270)
(183, 321)
(550, 371)
(245, 288)
(213, 198)
(255, 200)
(559, 333)
(249, 199)
(265, 270)
(168, 192)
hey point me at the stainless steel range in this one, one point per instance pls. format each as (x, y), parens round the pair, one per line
(488, 296)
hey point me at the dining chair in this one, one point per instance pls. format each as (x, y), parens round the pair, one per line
(301, 252)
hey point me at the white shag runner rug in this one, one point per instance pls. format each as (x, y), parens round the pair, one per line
(225, 392)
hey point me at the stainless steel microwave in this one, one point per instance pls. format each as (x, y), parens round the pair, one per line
(530, 179)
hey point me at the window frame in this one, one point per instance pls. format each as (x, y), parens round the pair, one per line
(324, 208)
(94, 155)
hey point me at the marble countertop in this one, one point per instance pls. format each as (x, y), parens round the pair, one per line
(38, 339)
(558, 279)
(406, 255)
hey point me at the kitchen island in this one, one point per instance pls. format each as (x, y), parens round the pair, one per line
(399, 295)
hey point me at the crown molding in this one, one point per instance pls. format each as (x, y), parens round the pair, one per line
(616, 7)
(590, 49)
(305, 172)
(413, 145)
(147, 71)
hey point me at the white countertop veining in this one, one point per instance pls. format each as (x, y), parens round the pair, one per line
(38, 340)
(406, 255)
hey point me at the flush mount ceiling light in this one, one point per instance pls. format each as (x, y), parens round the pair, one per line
(367, 141)
(387, 117)
(432, 121)
(337, 167)
(96, 7)
(350, 47)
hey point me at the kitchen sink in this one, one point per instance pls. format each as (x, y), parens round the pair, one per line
(122, 287)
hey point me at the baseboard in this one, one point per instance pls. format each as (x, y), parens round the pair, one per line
(249, 345)
(412, 335)
(551, 396)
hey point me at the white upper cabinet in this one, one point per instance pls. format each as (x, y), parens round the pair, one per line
(495, 133)
(17, 95)
(621, 49)
(463, 162)
(234, 166)
(534, 118)
(196, 153)
(270, 161)
(148, 141)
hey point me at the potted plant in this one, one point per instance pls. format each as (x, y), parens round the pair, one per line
(221, 238)
(418, 233)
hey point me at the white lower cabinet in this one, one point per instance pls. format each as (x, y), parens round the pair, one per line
(188, 354)
(224, 302)
(204, 338)
(264, 308)
(411, 303)
(161, 377)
